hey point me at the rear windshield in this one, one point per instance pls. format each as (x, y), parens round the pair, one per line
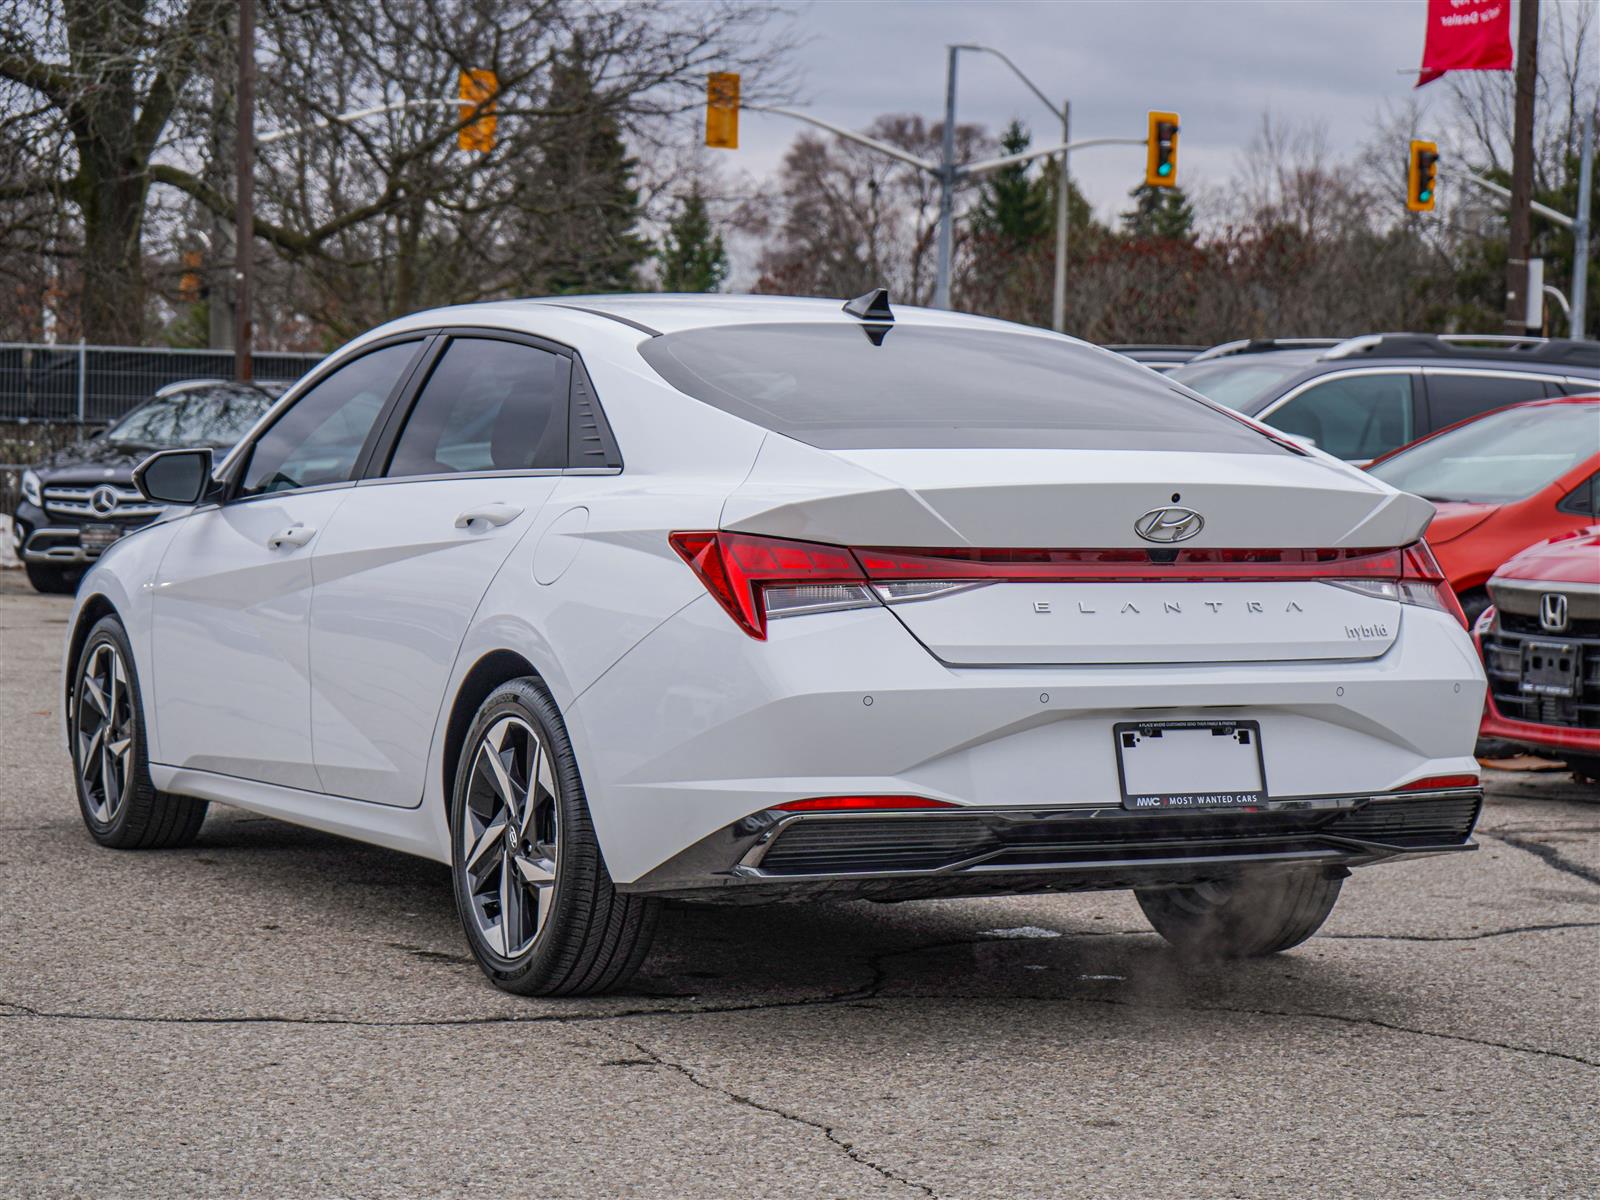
(835, 387)
(1500, 458)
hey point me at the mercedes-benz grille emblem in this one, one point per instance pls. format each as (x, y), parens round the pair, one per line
(1171, 524)
(1553, 612)
(103, 499)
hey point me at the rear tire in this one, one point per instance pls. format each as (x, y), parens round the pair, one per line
(1243, 918)
(52, 580)
(536, 902)
(110, 757)
(1585, 768)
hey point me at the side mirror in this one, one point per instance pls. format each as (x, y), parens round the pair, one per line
(174, 476)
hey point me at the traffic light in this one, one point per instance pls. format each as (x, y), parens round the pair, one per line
(478, 90)
(1161, 150)
(722, 110)
(1421, 171)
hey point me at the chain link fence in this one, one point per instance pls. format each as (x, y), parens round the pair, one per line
(50, 396)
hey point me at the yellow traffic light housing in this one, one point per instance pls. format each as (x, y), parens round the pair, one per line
(478, 91)
(1422, 171)
(1161, 150)
(722, 110)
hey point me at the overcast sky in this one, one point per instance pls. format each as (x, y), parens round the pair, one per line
(1218, 63)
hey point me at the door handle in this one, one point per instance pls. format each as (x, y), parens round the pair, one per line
(295, 535)
(488, 515)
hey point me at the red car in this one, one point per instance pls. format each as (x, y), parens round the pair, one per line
(1502, 481)
(1541, 650)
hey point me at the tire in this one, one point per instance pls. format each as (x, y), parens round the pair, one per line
(1585, 768)
(110, 758)
(569, 932)
(1473, 601)
(1244, 918)
(52, 580)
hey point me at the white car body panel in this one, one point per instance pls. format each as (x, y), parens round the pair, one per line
(318, 685)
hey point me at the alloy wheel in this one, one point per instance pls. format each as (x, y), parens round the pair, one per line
(509, 837)
(105, 729)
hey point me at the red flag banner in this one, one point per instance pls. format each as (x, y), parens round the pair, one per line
(1466, 35)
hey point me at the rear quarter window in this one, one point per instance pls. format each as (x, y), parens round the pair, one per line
(850, 386)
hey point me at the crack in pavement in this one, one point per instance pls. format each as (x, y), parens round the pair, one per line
(1551, 856)
(872, 989)
(827, 1131)
(1458, 937)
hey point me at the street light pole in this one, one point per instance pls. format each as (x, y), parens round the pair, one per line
(1058, 299)
(1580, 230)
(244, 185)
(947, 187)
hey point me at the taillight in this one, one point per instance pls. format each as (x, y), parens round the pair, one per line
(1423, 583)
(861, 804)
(757, 578)
(1126, 565)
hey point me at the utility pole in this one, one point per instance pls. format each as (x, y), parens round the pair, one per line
(1058, 299)
(1522, 169)
(947, 188)
(244, 187)
(1580, 230)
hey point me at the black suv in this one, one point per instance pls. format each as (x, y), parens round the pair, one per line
(1365, 396)
(81, 499)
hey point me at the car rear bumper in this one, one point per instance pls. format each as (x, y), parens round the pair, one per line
(700, 727)
(775, 855)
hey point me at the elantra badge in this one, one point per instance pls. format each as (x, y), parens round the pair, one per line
(1169, 524)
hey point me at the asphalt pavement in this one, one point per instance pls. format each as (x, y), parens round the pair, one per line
(276, 1012)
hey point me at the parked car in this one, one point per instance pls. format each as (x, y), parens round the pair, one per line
(1362, 397)
(1501, 482)
(1541, 650)
(1156, 356)
(607, 600)
(80, 500)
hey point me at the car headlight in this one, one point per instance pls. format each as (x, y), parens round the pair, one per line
(31, 491)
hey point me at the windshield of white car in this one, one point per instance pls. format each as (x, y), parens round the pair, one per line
(1243, 385)
(216, 417)
(846, 386)
(1498, 459)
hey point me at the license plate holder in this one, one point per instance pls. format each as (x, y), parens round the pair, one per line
(1550, 669)
(1185, 765)
(96, 538)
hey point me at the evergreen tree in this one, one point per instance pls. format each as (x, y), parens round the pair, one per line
(1014, 209)
(692, 256)
(1159, 213)
(593, 242)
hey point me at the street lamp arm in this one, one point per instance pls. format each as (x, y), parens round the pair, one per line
(1543, 210)
(994, 164)
(277, 135)
(1017, 71)
(921, 164)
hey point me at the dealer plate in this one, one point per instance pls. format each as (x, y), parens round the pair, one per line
(1190, 764)
(1550, 668)
(95, 538)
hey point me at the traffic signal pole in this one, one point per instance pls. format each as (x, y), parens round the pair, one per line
(1581, 231)
(947, 188)
(1522, 168)
(244, 195)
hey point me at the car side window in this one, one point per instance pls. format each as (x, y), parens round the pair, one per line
(488, 405)
(1583, 500)
(320, 437)
(1357, 417)
(1453, 398)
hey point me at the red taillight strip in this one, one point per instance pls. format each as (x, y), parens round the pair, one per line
(858, 803)
(1439, 783)
(1124, 565)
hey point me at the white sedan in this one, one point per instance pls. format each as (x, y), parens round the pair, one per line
(605, 600)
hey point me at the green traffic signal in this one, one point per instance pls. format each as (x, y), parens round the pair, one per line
(1164, 169)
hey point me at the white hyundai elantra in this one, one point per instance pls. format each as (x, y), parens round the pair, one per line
(605, 600)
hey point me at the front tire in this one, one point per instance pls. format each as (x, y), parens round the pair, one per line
(110, 756)
(538, 906)
(1243, 918)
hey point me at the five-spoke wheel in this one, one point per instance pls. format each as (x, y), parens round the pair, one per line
(510, 826)
(105, 729)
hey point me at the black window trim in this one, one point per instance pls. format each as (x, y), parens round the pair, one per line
(1589, 488)
(236, 472)
(377, 455)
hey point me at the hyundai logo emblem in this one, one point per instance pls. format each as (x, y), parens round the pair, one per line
(1170, 524)
(103, 499)
(1553, 612)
